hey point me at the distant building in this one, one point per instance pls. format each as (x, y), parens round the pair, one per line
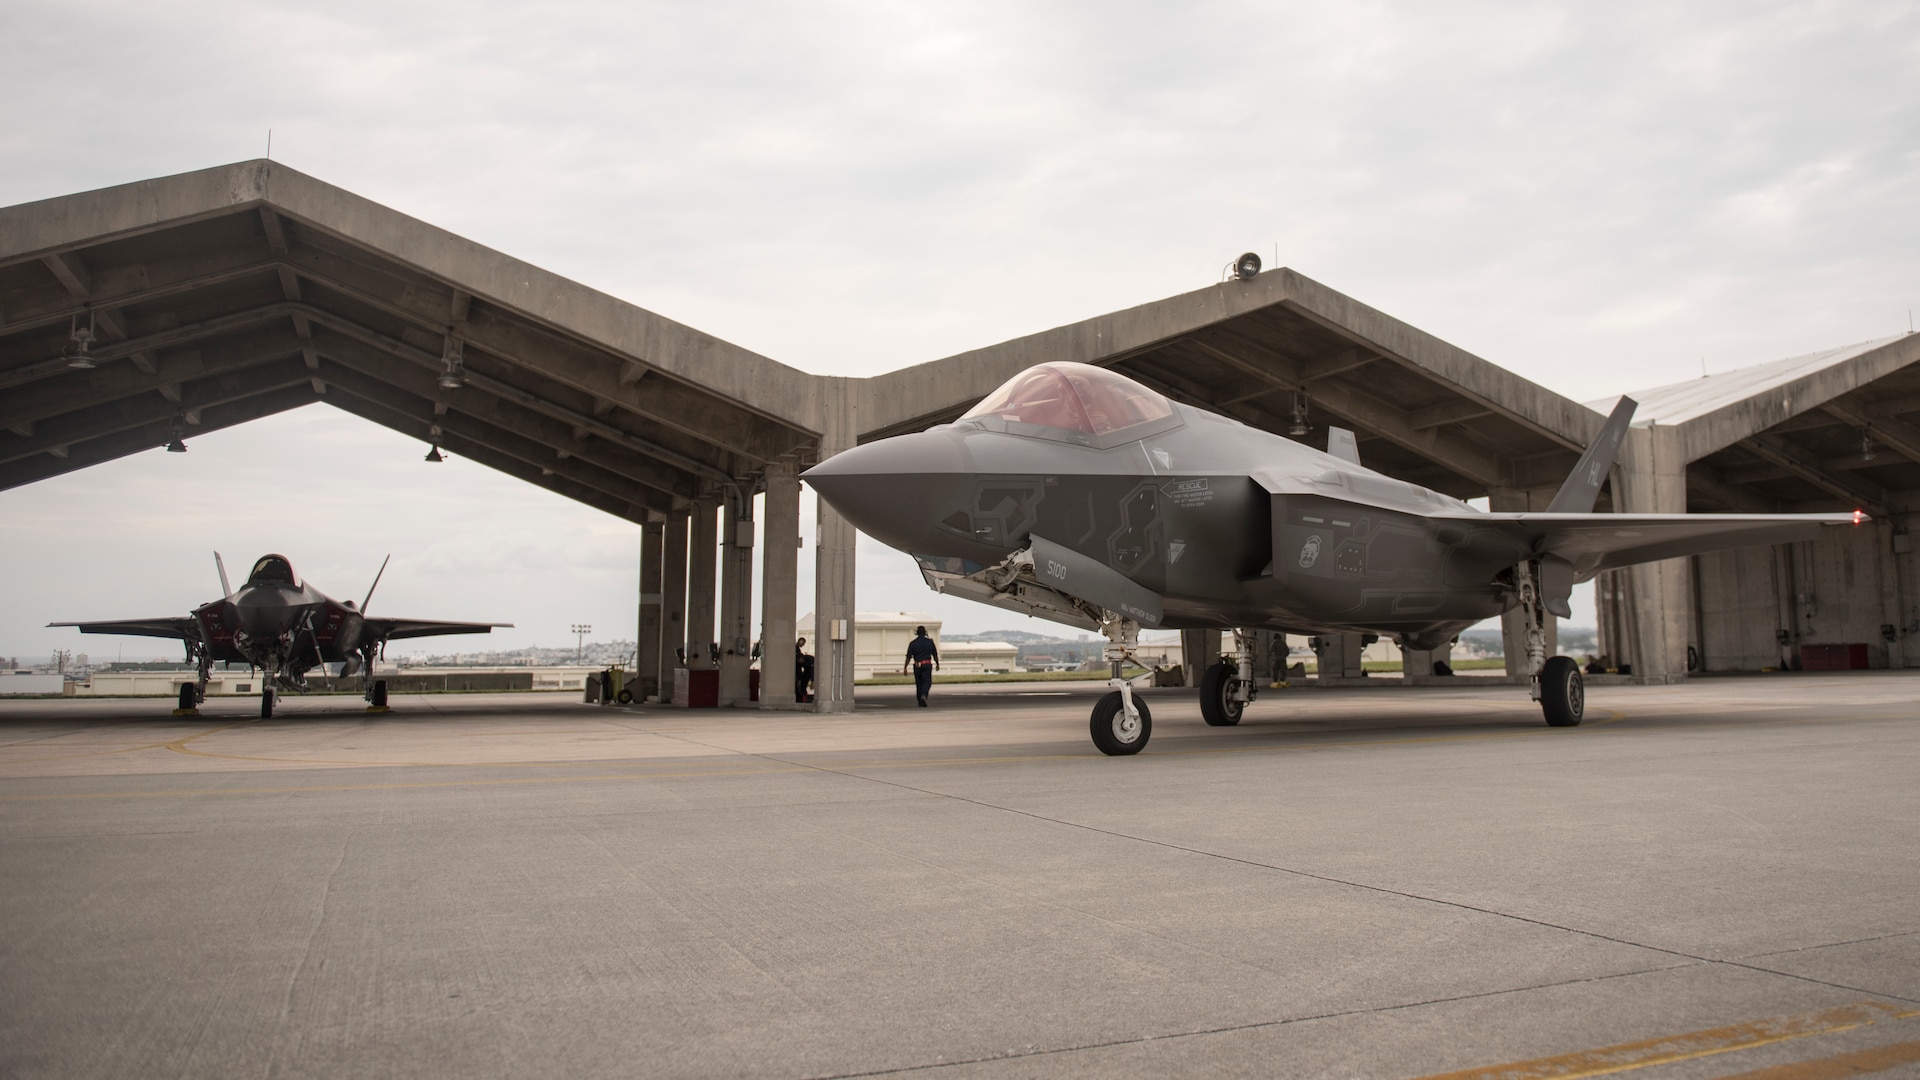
(880, 645)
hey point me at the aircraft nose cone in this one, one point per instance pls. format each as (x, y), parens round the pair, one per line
(894, 490)
(263, 613)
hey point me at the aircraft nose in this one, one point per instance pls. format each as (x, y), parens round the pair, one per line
(894, 490)
(263, 612)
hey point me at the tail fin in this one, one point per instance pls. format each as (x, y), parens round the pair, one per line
(226, 590)
(1342, 444)
(1582, 488)
(376, 583)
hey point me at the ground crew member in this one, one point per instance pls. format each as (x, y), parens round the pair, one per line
(802, 671)
(923, 658)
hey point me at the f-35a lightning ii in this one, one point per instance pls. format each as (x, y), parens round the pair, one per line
(1076, 494)
(284, 627)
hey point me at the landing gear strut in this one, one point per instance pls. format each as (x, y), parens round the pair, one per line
(1121, 723)
(1554, 683)
(1227, 688)
(376, 688)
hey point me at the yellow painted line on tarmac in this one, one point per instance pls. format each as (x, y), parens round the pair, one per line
(1858, 1063)
(126, 749)
(1626, 1057)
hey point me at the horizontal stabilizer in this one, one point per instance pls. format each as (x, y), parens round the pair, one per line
(394, 629)
(1591, 543)
(180, 628)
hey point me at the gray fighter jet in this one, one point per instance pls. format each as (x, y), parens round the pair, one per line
(284, 627)
(1076, 494)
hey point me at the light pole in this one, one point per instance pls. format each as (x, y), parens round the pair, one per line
(580, 631)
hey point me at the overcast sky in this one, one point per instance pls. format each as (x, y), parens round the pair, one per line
(1599, 197)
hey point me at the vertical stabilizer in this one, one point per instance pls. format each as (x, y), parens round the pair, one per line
(1342, 444)
(376, 583)
(1582, 488)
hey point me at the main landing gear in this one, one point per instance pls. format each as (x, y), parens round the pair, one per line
(1227, 688)
(1121, 723)
(1555, 683)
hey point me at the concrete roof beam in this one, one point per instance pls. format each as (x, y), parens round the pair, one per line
(1896, 435)
(76, 389)
(363, 372)
(456, 429)
(1796, 460)
(119, 445)
(1722, 491)
(189, 405)
(481, 382)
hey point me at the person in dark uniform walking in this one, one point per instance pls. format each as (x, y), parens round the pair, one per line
(923, 658)
(802, 672)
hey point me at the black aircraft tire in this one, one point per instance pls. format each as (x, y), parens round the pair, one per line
(266, 703)
(1563, 694)
(1215, 683)
(1110, 732)
(189, 699)
(379, 699)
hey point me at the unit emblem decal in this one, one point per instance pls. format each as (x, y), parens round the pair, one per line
(1310, 551)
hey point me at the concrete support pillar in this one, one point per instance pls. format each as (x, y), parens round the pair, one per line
(1652, 478)
(1613, 635)
(1418, 663)
(702, 551)
(779, 584)
(647, 637)
(833, 565)
(1337, 656)
(736, 599)
(1199, 650)
(1887, 570)
(673, 599)
(1513, 626)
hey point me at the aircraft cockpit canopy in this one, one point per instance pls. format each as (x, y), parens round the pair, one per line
(1077, 399)
(273, 570)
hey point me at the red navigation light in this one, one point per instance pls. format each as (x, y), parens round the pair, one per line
(1859, 516)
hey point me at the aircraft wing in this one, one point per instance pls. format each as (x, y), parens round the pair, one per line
(1596, 542)
(394, 629)
(180, 628)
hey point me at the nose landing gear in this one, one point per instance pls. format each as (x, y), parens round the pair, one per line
(1121, 723)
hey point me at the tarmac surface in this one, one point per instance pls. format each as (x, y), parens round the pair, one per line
(1714, 879)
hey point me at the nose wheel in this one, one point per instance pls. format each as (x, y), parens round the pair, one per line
(1116, 732)
(266, 703)
(1121, 723)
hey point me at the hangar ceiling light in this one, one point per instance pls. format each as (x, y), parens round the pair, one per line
(82, 338)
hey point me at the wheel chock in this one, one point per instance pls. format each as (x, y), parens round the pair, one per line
(186, 712)
(377, 708)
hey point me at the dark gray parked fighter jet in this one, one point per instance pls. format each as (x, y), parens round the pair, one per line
(1076, 494)
(284, 627)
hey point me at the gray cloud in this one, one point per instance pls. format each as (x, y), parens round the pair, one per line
(1597, 197)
